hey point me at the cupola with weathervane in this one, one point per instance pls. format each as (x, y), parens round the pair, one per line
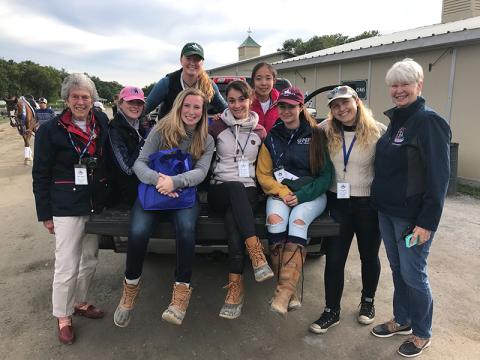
(249, 48)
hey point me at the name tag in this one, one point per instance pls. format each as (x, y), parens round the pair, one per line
(243, 168)
(282, 174)
(81, 177)
(343, 190)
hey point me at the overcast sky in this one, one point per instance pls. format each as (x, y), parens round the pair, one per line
(138, 42)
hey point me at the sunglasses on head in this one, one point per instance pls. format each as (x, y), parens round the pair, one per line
(339, 90)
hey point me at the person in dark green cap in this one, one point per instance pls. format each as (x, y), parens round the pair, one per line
(191, 75)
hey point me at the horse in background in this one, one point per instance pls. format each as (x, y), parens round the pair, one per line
(22, 117)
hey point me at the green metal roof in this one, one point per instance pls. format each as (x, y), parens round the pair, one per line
(249, 42)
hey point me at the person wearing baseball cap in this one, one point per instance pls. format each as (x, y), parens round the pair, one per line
(352, 134)
(295, 171)
(191, 75)
(127, 137)
(99, 106)
(45, 113)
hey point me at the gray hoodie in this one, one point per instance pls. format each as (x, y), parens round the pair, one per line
(234, 138)
(193, 177)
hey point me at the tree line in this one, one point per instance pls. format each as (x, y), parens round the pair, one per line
(315, 43)
(29, 78)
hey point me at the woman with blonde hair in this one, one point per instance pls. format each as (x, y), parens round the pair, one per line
(352, 134)
(191, 75)
(185, 127)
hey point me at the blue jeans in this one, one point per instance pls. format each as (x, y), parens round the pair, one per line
(297, 233)
(142, 225)
(412, 295)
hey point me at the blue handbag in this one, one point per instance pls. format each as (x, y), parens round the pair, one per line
(169, 162)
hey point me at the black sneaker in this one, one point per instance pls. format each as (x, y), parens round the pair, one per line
(391, 328)
(414, 346)
(366, 314)
(328, 319)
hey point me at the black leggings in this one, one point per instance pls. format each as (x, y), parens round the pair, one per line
(237, 202)
(356, 216)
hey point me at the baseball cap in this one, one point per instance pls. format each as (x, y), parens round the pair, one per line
(129, 93)
(341, 92)
(42, 100)
(99, 105)
(192, 48)
(291, 95)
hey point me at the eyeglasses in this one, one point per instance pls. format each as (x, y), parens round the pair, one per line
(339, 90)
(76, 98)
(284, 106)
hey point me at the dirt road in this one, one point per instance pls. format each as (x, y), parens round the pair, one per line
(27, 329)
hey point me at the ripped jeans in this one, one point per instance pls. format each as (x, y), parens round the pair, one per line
(287, 229)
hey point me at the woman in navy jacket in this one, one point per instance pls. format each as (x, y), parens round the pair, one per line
(412, 170)
(127, 137)
(69, 183)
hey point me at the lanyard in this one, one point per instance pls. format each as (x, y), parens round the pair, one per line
(240, 145)
(346, 154)
(91, 138)
(277, 160)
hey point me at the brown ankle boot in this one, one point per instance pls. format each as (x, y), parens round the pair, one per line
(124, 309)
(234, 300)
(261, 269)
(292, 262)
(276, 252)
(178, 306)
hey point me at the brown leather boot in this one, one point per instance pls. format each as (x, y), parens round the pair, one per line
(292, 261)
(234, 300)
(261, 269)
(178, 306)
(123, 313)
(276, 252)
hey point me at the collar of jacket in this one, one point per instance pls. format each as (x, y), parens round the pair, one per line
(406, 112)
(281, 131)
(65, 120)
(120, 121)
(274, 94)
(249, 123)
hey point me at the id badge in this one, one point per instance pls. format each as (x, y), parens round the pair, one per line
(279, 174)
(343, 190)
(243, 168)
(81, 177)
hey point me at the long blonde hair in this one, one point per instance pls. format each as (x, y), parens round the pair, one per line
(366, 129)
(173, 130)
(205, 85)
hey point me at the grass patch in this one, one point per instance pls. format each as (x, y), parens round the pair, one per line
(469, 190)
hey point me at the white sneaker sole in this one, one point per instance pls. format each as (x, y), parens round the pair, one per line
(402, 332)
(314, 328)
(427, 345)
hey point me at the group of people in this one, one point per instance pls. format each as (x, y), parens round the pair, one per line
(376, 182)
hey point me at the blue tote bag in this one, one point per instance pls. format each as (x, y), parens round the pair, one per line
(169, 162)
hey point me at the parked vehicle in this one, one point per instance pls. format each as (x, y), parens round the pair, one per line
(111, 225)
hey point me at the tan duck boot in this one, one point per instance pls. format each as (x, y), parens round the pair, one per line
(292, 263)
(276, 252)
(178, 306)
(261, 269)
(123, 313)
(234, 300)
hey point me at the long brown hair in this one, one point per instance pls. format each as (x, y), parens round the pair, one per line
(205, 85)
(173, 130)
(317, 143)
